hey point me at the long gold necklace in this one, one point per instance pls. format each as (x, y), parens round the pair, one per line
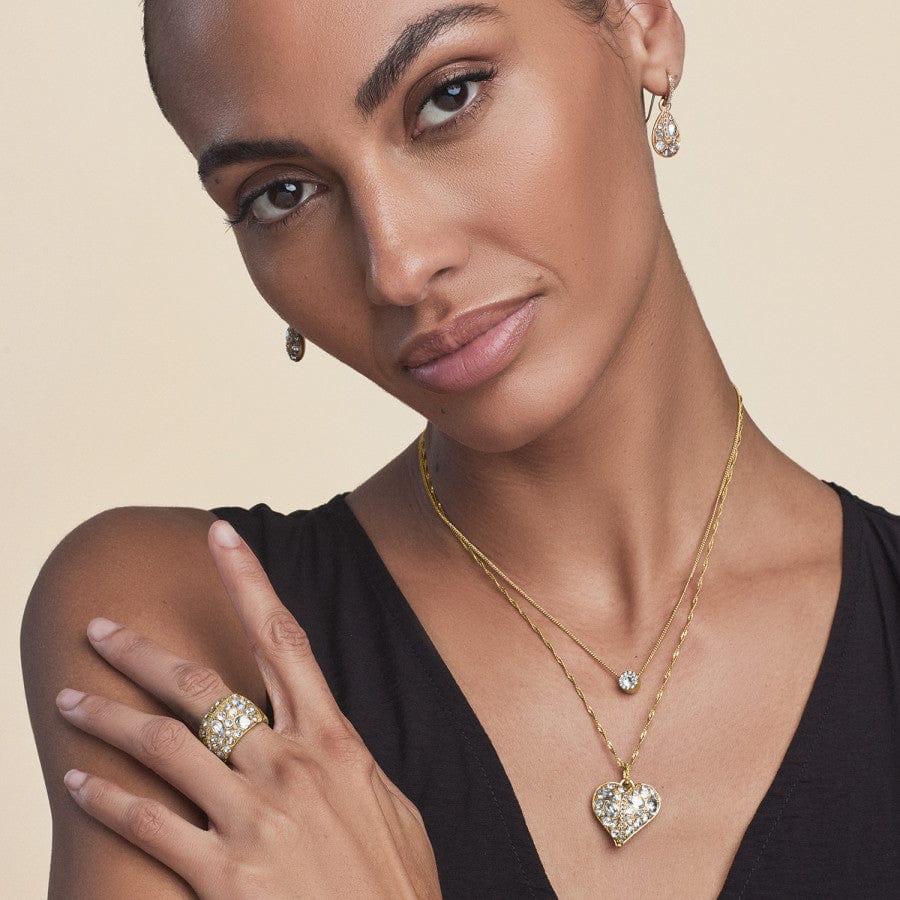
(622, 807)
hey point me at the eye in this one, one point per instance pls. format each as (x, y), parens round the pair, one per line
(451, 98)
(276, 201)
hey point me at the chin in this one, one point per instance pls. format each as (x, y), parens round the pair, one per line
(524, 405)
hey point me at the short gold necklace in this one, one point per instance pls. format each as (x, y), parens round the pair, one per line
(628, 681)
(622, 807)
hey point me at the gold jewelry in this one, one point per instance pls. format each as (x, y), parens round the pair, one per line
(295, 344)
(628, 681)
(665, 138)
(227, 721)
(623, 808)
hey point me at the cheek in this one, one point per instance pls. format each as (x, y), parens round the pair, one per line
(574, 192)
(317, 290)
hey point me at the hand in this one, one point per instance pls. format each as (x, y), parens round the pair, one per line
(303, 810)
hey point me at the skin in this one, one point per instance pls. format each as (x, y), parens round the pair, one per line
(587, 468)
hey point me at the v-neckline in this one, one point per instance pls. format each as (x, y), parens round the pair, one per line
(764, 822)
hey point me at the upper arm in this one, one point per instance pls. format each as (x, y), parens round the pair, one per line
(149, 569)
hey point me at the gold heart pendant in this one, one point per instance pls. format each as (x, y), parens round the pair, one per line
(624, 808)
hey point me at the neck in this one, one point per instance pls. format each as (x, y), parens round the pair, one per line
(613, 502)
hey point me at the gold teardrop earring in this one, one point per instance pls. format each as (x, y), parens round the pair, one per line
(295, 344)
(665, 138)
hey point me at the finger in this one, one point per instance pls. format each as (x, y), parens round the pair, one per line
(147, 824)
(187, 688)
(163, 745)
(299, 693)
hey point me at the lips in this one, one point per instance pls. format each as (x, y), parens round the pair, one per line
(473, 348)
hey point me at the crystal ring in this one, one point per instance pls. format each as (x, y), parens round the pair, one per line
(227, 722)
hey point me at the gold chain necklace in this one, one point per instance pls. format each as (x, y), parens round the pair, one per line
(623, 808)
(628, 681)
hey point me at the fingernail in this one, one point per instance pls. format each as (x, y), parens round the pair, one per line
(74, 779)
(100, 628)
(69, 699)
(224, 535)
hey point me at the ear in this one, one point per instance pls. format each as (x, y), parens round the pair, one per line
(655, 37)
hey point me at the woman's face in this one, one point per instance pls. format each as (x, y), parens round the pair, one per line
(479, 180)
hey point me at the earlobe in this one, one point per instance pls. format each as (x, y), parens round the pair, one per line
(657, 38)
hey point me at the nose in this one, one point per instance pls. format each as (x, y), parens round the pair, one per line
(410, 237)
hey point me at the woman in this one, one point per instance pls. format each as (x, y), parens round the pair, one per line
(458, 201)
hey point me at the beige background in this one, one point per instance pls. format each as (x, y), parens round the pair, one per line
(139, 367)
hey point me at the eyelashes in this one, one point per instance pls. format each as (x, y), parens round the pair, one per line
(449, 91)
(291, 188)
(453, 86)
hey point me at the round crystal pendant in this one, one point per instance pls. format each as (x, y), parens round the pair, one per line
(629, 681)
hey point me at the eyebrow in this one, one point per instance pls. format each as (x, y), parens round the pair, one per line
(230, 153)
(410, 44)
(376, 88)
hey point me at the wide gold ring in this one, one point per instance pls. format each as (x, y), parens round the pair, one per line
(227, 721)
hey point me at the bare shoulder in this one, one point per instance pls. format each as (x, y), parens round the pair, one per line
(150, 569)
(135, 544)
(147, 567)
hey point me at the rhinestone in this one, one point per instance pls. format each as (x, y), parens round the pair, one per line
(626, 810)
(244, 722)
(630, 681)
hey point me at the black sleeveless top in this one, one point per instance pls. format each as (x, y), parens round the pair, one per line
(827, 827)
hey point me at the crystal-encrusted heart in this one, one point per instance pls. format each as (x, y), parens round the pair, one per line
(623, 809)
